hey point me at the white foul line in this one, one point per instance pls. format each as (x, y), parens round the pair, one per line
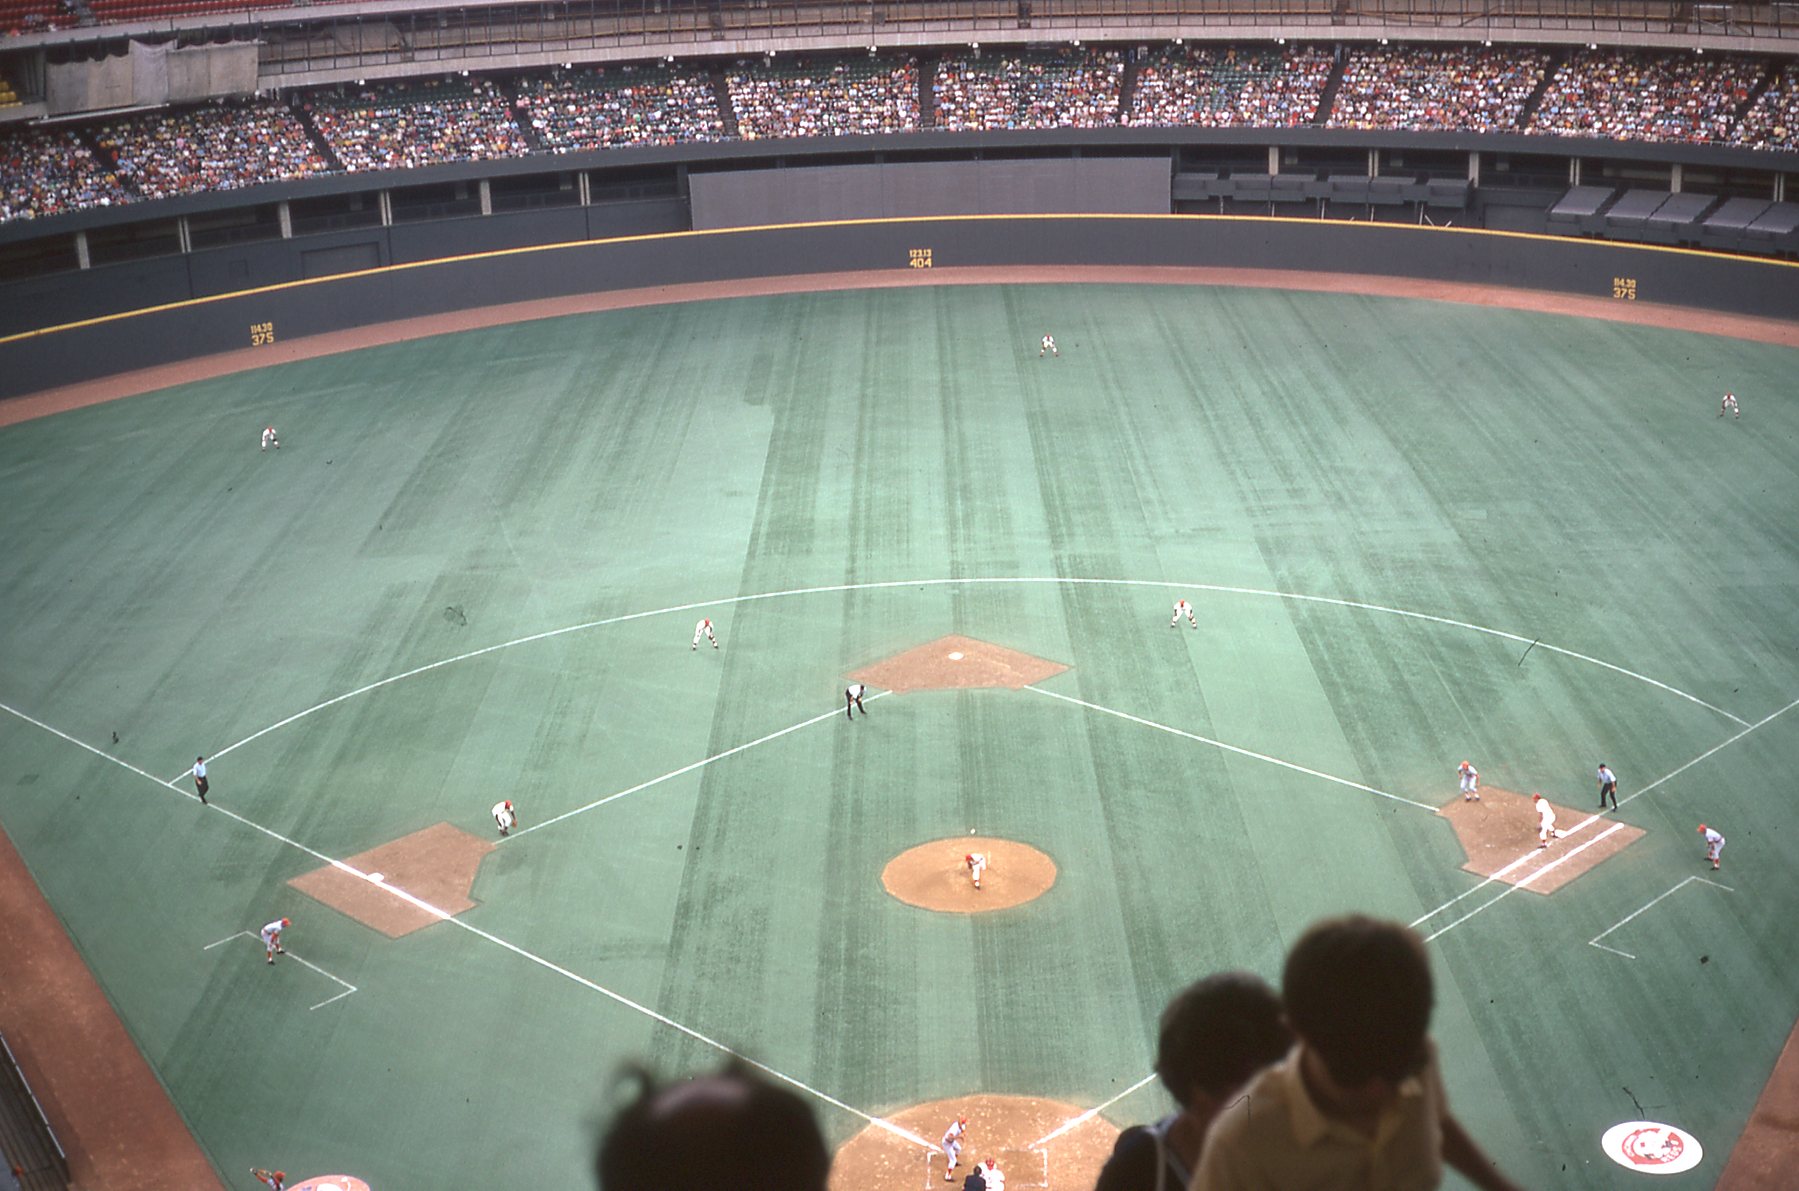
(488, 936)
(1076, 1122)
(1708, 752)
(1564, 858)
(1230, 748)
(598, 802)
(896, 583)
(1594, 941)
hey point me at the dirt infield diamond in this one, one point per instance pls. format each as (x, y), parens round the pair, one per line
(436, 865)
(954, 663)
(1499, 834)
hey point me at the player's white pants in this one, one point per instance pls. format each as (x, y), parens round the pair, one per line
(979, 867)
(1468, 786)
(706, 632)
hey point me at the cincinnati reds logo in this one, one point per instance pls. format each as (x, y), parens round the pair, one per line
(1649, 1147)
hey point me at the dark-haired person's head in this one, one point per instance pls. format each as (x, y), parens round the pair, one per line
(730, 1130)
(1217, 1033)
(1358, 993)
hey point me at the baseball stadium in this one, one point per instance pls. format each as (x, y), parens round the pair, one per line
(1135, 478)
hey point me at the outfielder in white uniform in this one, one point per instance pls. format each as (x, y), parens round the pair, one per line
(704, 629)
(1049, 345)
(977, 864)
(995, 1177)
(1714, 844)
(1729, 404)
(504, 816)
(952, 1145)
(1470, 782)
(1545, 820)
(271, 938)
(269, 439)
(1182, 608)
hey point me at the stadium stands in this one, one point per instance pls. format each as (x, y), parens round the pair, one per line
(1077, 88)
(603, 108)
(1230, 87)
(826, 97)
(1635, 95)
(407, 125)
(216, 147)
(49, 172)
(1773, 121)
(1424, 89)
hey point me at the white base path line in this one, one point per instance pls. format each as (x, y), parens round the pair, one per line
(1596, 818)
(1502, 873)
(1082, 1119)
(1564, 858)
(488, 936)
(730, 752)
(1022, 580)
(105, 756)
(1230, 748)
(343, 984)
(1514, 864)
(1594, 941)
(1708, 752)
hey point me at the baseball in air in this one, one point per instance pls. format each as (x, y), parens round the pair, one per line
(971, 831)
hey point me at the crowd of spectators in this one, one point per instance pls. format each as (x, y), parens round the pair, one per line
(1773, 123)
(405, 125)
(838, 97)
(216, 147)
(1076, 88)
(1612, 93)
(1229, 87)
(1635, 95)
(602, 108)
(1465, 88)
(48, 172)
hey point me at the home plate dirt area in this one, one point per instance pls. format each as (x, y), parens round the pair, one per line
(1004, 1128)
(1499, 835)
(436, 865)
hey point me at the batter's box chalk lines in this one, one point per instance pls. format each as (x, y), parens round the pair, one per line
(341, 983)
(1231, 748)
(1564, 858)
(1052, 580)
(495, 940)
(1501, 874)
(701, 764)
(1594, 941)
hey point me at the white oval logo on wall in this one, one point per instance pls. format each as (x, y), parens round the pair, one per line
(1652, 1148)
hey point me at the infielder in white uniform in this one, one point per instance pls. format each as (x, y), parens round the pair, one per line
(1470, 782)
(1729, 404)
(852, 700)
(1049, 345)
(1714, 844)
(269, 439)
(271, 937)
(952, 1145)
(1182, 608)
(704, 629)
(977, 864)
(504, 816)
(1545, 820)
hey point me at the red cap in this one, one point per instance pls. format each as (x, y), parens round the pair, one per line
(509, 804)
(989, 1164)
(286, 922)
(1536, 798)
(961, 1120)
(1702, 827)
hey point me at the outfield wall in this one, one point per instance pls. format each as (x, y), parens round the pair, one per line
(403, 286)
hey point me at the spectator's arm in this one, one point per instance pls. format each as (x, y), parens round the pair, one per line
(1467, 1159)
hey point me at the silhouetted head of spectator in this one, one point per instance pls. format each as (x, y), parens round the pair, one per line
(1215, 1035)
(1358, 994)
(729, 1130)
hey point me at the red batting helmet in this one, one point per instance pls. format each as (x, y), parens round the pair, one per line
(286, 922)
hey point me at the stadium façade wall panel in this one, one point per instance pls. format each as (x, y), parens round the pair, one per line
(294, 307)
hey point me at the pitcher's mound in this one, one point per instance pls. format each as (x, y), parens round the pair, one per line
(957, 663)
(1004, 1128)
(935, 876)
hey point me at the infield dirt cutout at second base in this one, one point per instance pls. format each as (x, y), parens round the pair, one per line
(934, 876)
(1004, 1128)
